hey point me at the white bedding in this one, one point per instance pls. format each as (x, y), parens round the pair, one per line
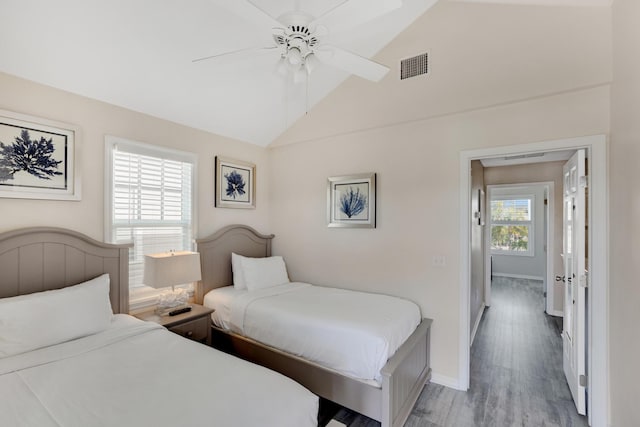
(351, 332)
(138, 373)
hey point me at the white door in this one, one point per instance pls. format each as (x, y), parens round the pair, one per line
(573, 334)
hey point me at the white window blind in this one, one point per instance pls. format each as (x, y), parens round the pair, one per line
(511, 210)
(151, 203)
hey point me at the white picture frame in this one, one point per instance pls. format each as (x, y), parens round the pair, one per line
(351, 201)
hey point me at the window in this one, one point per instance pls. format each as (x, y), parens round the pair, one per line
(150, 202)
(512, 225)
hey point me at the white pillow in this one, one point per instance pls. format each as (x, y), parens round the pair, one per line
(261, 273)
(238, 277)
(28, 322)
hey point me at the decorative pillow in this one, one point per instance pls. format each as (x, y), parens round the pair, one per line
(261, 273)
(236, 267)
(28, 322)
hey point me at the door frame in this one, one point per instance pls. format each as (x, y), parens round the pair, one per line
(548, 230)
(598, 256)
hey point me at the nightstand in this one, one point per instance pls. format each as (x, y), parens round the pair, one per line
(194, 324)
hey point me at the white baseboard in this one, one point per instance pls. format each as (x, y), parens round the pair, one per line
(477, 322)
(556, 313)
(446, 381)
(518, 276)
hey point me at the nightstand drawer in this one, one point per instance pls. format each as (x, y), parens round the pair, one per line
(197, 330)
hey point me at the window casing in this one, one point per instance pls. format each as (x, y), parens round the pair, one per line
(512, 225)
(149, 201)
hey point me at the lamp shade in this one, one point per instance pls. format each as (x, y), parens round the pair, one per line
(171, 268)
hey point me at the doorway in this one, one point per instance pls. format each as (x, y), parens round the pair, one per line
(534, 256)
(597, 320)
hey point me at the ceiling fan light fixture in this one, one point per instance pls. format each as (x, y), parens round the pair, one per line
(283, 66)
(311, 62)
(294, 56)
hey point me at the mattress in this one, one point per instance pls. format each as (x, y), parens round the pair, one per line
(353, 333)
(138, 373)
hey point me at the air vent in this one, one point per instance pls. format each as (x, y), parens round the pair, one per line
(415, 66)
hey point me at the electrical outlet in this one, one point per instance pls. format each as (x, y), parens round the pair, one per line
(439, 261)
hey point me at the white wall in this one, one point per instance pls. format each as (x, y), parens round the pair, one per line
(96, 119)
(625, 215)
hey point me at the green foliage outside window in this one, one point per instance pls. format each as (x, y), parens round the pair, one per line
(510, 238)
(506, 232)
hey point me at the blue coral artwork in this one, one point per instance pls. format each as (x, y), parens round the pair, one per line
(352, 201)
(32, 158)
(235, 183)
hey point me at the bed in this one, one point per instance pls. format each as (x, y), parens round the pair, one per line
(388, 400)
(128, 372)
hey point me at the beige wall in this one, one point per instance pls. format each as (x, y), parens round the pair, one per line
(485, 89)
(476, 292)
(538, 172)
(624, 294)
(95, 120)
(418, 202)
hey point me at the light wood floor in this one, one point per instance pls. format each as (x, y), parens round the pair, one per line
(516, 371)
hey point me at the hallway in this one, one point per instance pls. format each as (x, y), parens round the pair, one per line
(516, 370)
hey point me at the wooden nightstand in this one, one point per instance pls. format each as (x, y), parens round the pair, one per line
(194, 324)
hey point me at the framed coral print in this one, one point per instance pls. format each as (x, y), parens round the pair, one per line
(38, 158)
(235, 184)
(351, 201)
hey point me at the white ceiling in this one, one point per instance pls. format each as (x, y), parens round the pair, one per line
(138, 54)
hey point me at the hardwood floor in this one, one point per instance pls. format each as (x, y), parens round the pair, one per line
(516, 371)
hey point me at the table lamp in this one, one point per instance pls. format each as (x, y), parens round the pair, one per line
(173, 268)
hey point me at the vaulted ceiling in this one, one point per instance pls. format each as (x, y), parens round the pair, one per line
(139, 54)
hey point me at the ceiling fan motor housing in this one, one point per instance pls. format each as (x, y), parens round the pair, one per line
(297, 40)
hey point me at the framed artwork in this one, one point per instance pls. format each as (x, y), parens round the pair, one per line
(38, 158)
(351, 201)
(235, 183)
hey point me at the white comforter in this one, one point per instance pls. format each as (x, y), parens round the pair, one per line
(137, 373)
(353, 333)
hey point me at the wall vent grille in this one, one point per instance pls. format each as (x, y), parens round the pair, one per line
(415, 66)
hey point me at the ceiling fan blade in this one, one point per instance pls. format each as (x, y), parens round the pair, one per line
(237, 55)
(249, 11)
(351, 63)
(352, 13)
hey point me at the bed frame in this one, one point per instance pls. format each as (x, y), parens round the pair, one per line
(403, 377)
(44, 258)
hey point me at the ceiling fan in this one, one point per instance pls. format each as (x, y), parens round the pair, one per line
(297, 37)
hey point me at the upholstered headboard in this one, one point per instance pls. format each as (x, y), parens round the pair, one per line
(43, 258)
(215, 254)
